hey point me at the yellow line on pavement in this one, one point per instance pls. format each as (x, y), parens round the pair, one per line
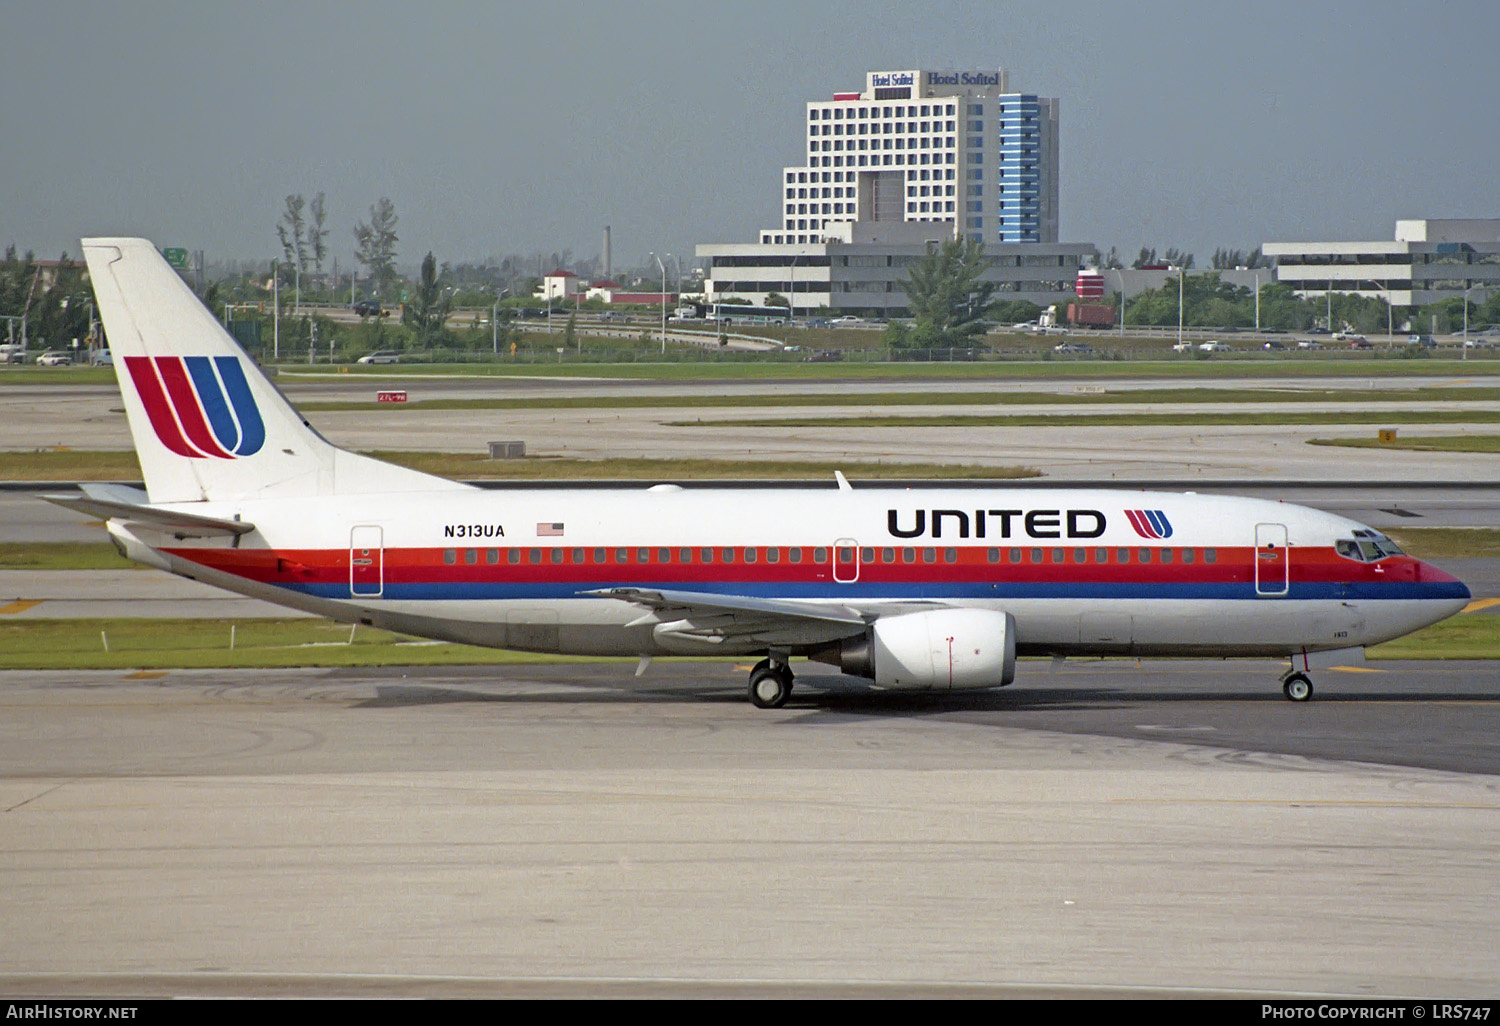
(19, 606)
(1478, 604)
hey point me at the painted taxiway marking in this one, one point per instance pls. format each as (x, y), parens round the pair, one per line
(1357, 669)
(19, 606)
(1472, 607)
(145, 675)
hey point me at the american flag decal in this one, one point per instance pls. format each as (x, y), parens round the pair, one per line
(549, 530)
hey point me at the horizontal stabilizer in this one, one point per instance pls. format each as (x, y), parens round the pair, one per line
(117, 502)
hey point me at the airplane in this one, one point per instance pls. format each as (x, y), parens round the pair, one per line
(929, 590)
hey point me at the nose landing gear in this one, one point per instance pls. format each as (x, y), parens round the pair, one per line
(1296, 686)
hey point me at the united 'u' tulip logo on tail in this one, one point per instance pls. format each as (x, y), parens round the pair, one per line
(1149, 523)
(199, 406)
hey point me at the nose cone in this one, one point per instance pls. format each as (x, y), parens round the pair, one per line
(1442, 580)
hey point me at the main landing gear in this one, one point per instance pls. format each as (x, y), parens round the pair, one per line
(1297, 686)
(770, 684)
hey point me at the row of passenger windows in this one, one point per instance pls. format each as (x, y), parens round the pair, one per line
(1078, 555)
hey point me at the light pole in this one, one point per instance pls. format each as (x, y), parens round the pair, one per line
(1471, 288)
(663, 268)
(1119, 273)
(1180, 272)
(1257, 300)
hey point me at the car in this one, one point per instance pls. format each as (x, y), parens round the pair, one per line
(382, 356)
(54, 358)
(846, 321)
(1182, 347)
(1318, 331)
(1360, 343)
(11, 353)
(101, 358)
(1478, 343)
(1307, 343)
(1273, 344)
(1071, 347)
(1348, 336)
(367, 308)
(1211, 346)
(825, 356)
(1425, 341)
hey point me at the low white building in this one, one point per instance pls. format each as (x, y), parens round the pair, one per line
(1428, 261)
(860, 267)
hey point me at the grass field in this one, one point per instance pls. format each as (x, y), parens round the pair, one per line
(973, 420)
(79, 465)
(126, 644)
(1436, 443)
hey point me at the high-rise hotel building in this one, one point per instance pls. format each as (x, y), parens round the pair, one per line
(916, 158)
(955, 146)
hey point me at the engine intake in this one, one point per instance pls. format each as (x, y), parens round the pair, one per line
(941, 649)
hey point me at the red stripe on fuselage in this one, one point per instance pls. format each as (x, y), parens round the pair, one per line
(971, 566)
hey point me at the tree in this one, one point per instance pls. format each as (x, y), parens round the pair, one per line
(775, 299)
(317, 233)
(376, 244)
(947, 298)
(427, 313)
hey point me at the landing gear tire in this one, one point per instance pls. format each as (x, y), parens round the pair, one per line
(1297, 687)
(770, 685)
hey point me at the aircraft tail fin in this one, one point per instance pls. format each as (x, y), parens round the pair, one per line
(207, 424)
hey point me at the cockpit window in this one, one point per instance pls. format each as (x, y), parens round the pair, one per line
(1366, 546)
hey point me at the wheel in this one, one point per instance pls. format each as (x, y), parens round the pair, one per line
(1297, 687)
(770, 686)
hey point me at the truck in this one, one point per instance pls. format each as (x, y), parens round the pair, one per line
(1091, 315)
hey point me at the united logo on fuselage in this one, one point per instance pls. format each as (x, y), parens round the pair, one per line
(1149, 523)
(199, 406)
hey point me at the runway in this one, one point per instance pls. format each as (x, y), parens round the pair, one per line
(569, 831)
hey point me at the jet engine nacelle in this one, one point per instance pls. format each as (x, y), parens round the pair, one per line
(941, 649)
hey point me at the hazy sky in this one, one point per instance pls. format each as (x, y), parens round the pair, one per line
(499, 128)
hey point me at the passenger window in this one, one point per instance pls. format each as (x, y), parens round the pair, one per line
(773, 555)
(601, 556)
(664, 555)
(751, 554)
(994, 555)
(535, 555)
(728, 555)
(578, 556)
(867, 555)
(1015, 555)
(1080, 555)
(845, 556)
(1166, 555)
(1189, 555)
(622, 555)
(708, 555)
(471, 556)
(820, 555)
(1210, 555)
(794, 555)
(450, 556)
(887, 555)
(643, 555)
(1122, 555)
(557, 557)
(908, 555)
(950, 555)
(1057, 555)
(1036, 556)
(492, 556)
(1101, 555)
(1145, 555)
(929, 555)
(513, 556)
(685, 556)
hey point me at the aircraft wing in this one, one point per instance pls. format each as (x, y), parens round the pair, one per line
(117, 502)
(708, 620)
